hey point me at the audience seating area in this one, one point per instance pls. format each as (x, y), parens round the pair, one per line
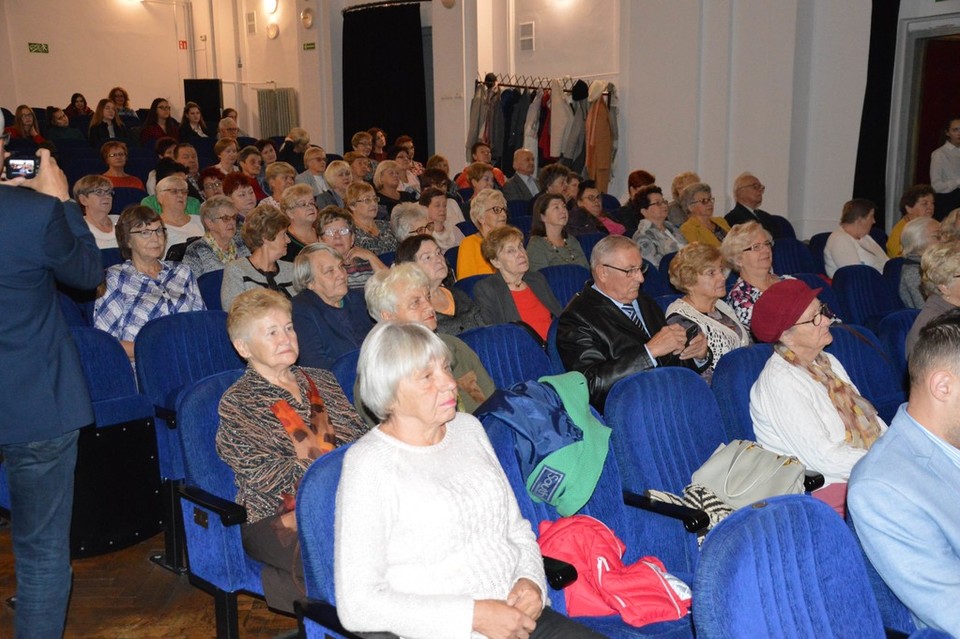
(760, 572)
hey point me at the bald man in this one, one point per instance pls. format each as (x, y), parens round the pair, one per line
(748, 192)
(523, 185)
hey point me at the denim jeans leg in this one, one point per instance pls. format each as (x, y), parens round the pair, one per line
(40, 475)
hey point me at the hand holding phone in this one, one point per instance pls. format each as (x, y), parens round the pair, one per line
(22, 166)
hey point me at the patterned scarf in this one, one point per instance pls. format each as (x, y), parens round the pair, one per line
(309, 440)
(224, 256)
(858, 414)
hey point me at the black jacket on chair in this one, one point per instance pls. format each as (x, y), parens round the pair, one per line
(595, 337)
(741, 214)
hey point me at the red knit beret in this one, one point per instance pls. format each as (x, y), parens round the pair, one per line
(779, 308)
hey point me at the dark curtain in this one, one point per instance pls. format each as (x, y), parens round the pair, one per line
(383, 81)
(870, 178)
(939, 100)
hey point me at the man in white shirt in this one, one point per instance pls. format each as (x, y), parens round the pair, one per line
(945, 170)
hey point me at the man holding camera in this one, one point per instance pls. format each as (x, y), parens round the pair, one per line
(43, 240)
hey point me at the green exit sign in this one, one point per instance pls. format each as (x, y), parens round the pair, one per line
(309, 46)
(38, 47)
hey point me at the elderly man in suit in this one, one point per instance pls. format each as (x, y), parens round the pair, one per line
(611, 330)
(748, 192)
(523, 185)
(902, 495)
(43, 240)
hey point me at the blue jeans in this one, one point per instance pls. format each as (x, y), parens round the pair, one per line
(40, 475)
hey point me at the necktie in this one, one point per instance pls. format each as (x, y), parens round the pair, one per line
(634, 317)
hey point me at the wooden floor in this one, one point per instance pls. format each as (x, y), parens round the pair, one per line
(124, 595)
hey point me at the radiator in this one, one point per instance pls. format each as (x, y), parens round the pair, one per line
(279, 111)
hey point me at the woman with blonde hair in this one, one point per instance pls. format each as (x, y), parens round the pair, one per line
(488, 211)
(338, 177)
(939, 268)
(697, 271)
(748, 250)
(298, 205)
(387, 182)
(106, 124)
(372, 234)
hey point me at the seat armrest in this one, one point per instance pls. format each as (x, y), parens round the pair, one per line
(693, 520)
(326, 615)
(812, 481)
(167, 415)
(560, 574)
(230, 512)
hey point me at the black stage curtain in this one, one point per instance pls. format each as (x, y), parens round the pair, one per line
(870, 178)
(383, 82)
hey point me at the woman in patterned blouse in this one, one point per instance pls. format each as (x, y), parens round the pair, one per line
(144, 287)
(274, 422)
(221, 243)
(748, 249)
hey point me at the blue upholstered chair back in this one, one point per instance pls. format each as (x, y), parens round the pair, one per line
(655, 283)
(665, 266)
(788, 568)
(817, 245)
(565, 280)
(173, 352)
(869, 367)
(345, 370)
(588, 241)
(790, 256)
(197, 423)
(828, 296)
(124, 196)
(865, 295)
(893, 337)
(733, 377)
(551, 348)
(72, 312)
(665, 423)
(210, 284)
(519, 208)
(786, 228)
(466, 284)
(664, 301)
(510, 353)
(892, 271)
(316, 508)
(109, 377)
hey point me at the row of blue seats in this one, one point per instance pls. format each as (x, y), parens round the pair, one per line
(652, 449)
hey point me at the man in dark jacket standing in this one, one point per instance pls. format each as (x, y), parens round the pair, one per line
(43, 239)
(611, 330)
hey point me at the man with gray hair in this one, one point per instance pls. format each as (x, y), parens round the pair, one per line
(902, 495)
(228, 128)
(748, 192)
(611, 330)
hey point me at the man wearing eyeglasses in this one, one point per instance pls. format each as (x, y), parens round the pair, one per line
(611, 330)
(43, 240)
(748, 192)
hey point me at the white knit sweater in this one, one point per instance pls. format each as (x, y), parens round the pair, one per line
(422, 532)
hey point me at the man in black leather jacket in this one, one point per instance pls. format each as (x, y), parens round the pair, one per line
(611, 330)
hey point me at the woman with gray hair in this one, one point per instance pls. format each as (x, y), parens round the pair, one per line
(328, 320)
(488, 211)
(939, 268)
(697, 201)
(402, 294)
(918, 235)
(275, 421)
(483, 575)
(94, 193)
(409, 219)
(172, 198)
(221, 243)
(335, 227)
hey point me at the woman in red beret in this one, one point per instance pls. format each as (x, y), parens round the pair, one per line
(804, 404)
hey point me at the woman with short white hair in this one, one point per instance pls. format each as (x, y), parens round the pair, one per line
(427, 465)
(918, 235)
(172, 198)
(409, 219)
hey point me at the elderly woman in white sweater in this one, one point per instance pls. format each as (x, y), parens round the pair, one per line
(430, 541)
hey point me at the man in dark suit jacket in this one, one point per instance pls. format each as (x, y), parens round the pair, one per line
(523, 185)
(611, 330)
(748, 192)
(43, 239)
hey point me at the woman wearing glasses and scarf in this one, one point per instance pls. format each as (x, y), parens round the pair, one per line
(144, 287)
(803, 403)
